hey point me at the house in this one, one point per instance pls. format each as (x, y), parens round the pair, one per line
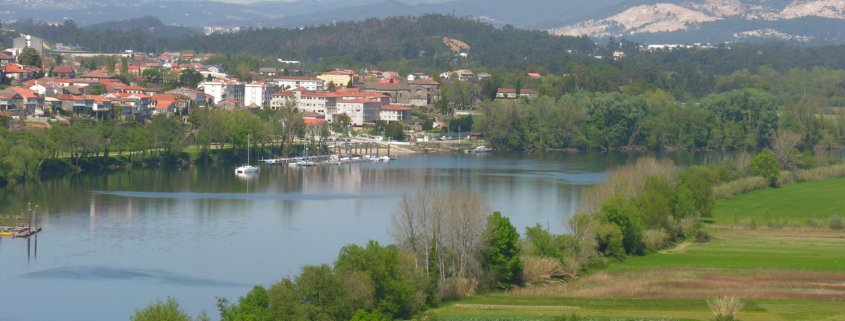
(391, 113)
(268, 71)
(31, 101)
(64, 72)
(361, 111)
(6, 59)
(222, 89)
(483, 76)
(534, 75)
(312, 115)
(259, 93)
(229, 104)
(72, 103)
(383, 99)
(290, 82)
(511, 93)
(98, 106)
(43, 87)
(194, 97)
(96, 75)
(137, 105)
(20, 72)
(163, 106)
(12, 102)
(462, 75)
(421, 92)
(338, 78)
(438, 124)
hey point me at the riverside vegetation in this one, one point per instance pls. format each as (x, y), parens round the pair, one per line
(637, 236)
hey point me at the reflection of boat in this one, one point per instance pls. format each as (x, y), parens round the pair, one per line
(384, 159)
(246, 168)
(479, 150)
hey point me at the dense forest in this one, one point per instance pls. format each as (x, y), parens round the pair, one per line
(373, 40)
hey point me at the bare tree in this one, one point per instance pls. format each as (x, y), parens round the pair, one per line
(467, 219)
(782, 142)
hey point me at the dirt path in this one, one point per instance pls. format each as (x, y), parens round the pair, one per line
(489, 306)
(681, 248)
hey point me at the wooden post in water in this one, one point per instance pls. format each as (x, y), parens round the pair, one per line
(29, 215)
(35, 221)
(388, 150)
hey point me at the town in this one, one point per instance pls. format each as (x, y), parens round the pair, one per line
(67, 88)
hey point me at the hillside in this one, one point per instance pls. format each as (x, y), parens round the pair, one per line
(713, 21)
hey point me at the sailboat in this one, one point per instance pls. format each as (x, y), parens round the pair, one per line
(246, 168)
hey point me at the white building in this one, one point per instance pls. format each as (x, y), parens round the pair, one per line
(391, 113)
(291, 82)
(361, 111)
(258, 93)
(222, 89)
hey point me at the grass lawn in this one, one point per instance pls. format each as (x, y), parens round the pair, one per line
(779, 274)
(792, 202)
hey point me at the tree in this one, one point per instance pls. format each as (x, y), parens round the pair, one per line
(782, 143)
(489, 90)
(518, 89)
(395, 130)
(164, 311)
(254, 306)
(124, 66)
(285, 302)
(344, 120)
(30, 57)
(110, 65)
(190, 78)
(349, 85)
(331, 87)
(323, 293)
(152, 74)
(501, 255)
(765, 165)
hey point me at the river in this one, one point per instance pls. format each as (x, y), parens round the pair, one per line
(114, 241)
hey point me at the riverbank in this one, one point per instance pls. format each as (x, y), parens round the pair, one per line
(782, 272)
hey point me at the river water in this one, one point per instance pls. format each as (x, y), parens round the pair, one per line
(115, 241)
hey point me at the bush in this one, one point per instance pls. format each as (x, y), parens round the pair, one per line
(725, 308)
(540, 269)
(815, 223)
(653, 239)
(836, 223)
(794, 225)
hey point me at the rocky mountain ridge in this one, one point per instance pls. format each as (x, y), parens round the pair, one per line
(672, 16)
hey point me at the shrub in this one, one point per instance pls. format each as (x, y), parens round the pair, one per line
(653, 239)
(687, 225)
(540, 269)
(794, 225)
(725, 308)
(815, 223)
(748, 224)
(836, 223)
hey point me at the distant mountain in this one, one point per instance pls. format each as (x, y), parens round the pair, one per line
(522, 14)
(147, 24)
(686, 21)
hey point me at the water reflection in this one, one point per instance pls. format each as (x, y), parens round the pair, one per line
(119, 239)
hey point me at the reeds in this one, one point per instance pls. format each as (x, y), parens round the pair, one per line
(725, 308)
(456, 288)
(740, 186)
(540, 269)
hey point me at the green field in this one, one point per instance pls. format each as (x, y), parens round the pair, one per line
(792, 202)
(780, 274)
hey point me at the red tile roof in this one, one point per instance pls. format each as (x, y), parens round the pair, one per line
(63, 70)
(25, 92)
(13, 68)
(312, 121)
(394, 107)
(366, 101)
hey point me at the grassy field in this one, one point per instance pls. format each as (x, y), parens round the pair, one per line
(792, 202)
(782, 274)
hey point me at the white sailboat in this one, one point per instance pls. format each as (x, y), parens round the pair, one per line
(246, 168)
